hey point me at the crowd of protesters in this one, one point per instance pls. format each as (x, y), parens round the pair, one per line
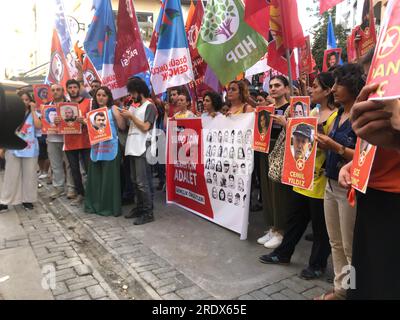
(362, 236)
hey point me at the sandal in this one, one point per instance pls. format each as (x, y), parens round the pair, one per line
(329, 296)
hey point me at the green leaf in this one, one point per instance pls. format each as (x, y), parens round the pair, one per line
(230, 8)
(214, 26)
(223, 8)
(232, 14)
(218, 19)
(206, 32)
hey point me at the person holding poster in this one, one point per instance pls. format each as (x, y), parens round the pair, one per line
(103, 189)
(141, 120)
(57, 156)
(274, 194)
(373, 232)
(20, 179)
(340, 144)
(77, 146)
(310, 203)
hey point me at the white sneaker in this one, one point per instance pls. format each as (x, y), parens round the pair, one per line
(275, 241)
(43, 176)
(266, 237)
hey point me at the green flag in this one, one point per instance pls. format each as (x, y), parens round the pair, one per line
(226, 42)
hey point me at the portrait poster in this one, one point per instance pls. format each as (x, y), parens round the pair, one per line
(99, 127)
(69, 112)
(300, 106)
(305, 57)
(331, 58)
(300, 152)
(363, 160)
(42, 94)
(49, 113)
(262, 128)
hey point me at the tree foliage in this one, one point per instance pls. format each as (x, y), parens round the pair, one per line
(319, 32)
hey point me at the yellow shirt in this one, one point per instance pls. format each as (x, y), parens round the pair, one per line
(184, 115)
(318, 190)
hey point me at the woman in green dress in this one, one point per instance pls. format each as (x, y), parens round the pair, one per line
(103, 190)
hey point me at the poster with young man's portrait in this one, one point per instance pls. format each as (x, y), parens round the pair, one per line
(300, 152)
(49, 113)
(364, 155)
(299, 106)
(331, 58)
(262, 128)
(42, 94)
(69, 113)
(99, 127)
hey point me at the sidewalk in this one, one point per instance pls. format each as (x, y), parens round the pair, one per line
(178, 256)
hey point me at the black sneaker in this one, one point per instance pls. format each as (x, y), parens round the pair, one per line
(310, 273)
(134, 213)
(273, 259)
(28, 205)
(146, 218)
(3, 208)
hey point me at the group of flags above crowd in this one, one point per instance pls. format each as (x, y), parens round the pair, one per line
(219, 41)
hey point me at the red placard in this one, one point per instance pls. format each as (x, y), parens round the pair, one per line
(363, 159)
(305, 57)
(262, 128)
(385, 64)
(42, 94)
(300, 106)
(331, 58)
(98, 124)
(300, 152)
(49, 112)
(69, 112)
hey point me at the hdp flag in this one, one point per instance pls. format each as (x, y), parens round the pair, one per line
(100, 45)
(172, 63)
(226, 42)
(325, 5)
(385, 63)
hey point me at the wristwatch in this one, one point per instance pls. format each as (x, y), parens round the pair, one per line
(341, 151)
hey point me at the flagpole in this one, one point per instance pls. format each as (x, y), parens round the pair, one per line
(290, 72)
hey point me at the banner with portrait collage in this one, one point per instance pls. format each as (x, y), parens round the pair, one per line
(300, 152)
(209, 166)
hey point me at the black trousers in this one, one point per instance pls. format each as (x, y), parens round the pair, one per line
(376, 246)
(74, 163)
(302, 210)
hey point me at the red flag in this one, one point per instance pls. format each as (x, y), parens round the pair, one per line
(385, 63)
(130, 57)
(305, 57)
(291, 29)
(58, 72)
(190, 15)
(199, 65)
(325, 5)
(256, 15)
(278, 61)
(351, 47)
(89, 72)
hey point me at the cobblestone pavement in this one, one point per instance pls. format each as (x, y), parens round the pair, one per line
(98, 257)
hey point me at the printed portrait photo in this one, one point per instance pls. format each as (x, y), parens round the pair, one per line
(302, 142)
(263, 123)
(99, 121)
(69, 113)
(50, 115)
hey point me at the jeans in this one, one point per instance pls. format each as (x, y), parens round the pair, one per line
(73, 158)
(140, 181)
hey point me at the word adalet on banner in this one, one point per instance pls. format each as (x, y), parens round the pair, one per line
(209, 165)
